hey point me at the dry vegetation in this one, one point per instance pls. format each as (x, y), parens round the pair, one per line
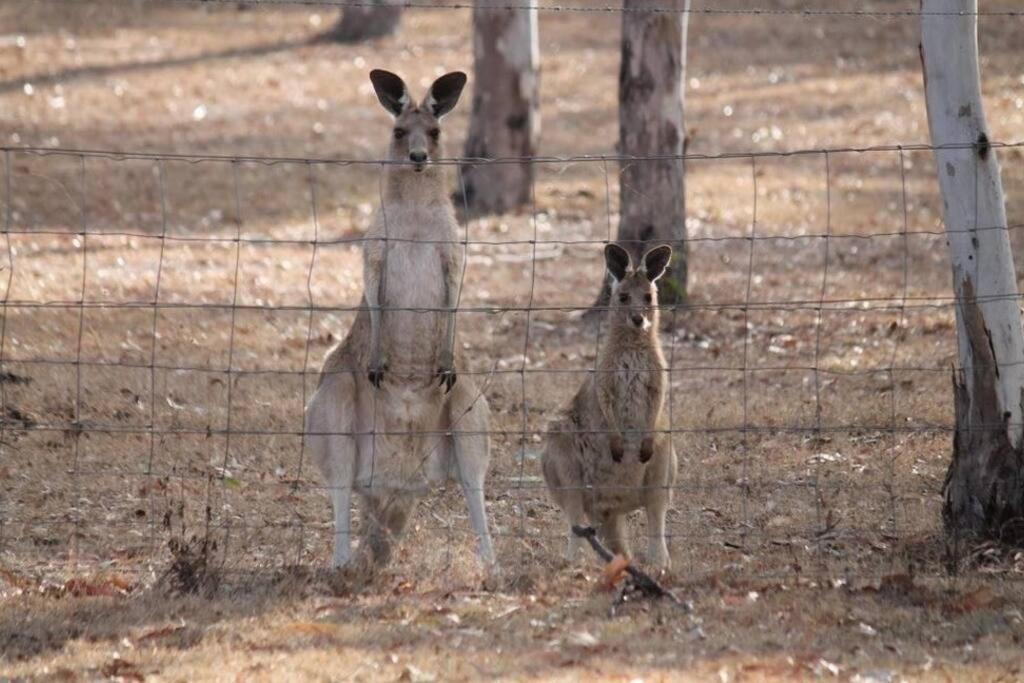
(806, 552)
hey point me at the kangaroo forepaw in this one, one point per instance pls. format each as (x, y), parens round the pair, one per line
(446, 378)
(647, 449)
(375, 373)
(615, 446)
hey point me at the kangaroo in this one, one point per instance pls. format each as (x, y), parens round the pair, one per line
(391, 417)
(608, 453)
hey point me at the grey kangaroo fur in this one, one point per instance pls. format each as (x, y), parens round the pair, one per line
(608, 454)
(391, 417)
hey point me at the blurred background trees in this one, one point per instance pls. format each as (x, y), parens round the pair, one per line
(505, 118)
(375, 19)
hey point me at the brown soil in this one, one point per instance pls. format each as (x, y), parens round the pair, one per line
(806, 528)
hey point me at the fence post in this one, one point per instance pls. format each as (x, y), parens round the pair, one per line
(983, 489)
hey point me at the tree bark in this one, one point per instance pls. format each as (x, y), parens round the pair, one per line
(366, 23)
(984, 495)
(652, 193)
(505, 118)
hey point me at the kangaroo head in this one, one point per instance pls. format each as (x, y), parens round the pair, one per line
(416, 138)
(634, 295)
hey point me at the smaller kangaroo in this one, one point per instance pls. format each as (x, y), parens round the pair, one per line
(608, 454)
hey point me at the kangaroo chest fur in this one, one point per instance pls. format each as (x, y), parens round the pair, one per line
(414, 242)
(631, 377)
(403, 445)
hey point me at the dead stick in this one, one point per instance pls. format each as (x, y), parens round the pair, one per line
(643, 582)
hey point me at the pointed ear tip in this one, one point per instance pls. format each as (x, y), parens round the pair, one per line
(454, 78)
(383, 75)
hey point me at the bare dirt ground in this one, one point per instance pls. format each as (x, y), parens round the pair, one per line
(806, 529)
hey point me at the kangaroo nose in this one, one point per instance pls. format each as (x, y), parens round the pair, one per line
(418, 157)
(638, 319)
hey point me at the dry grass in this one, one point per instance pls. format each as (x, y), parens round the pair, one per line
(805, 553)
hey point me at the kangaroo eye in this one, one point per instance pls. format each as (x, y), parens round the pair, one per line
(624, 298)
(434, 133)
(399, 133)
(648, 298)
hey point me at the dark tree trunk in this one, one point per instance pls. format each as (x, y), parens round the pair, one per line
(652, 193)
(366, 23)
(984, 488)
(505, 120)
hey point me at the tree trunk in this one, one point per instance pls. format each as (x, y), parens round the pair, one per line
(652, 193)
(984, 489)
(367, 22)
(505, 120)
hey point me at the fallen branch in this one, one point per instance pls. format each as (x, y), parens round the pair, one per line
(639, 583)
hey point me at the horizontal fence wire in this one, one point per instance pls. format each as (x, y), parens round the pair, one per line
(592, 8)
(233, 470)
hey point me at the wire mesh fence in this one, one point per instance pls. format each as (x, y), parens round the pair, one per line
(157, 353)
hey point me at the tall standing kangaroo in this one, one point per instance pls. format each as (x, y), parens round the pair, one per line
(390, 417)
(609, 454)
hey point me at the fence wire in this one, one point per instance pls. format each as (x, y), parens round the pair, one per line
(592, 8)
(157, 411)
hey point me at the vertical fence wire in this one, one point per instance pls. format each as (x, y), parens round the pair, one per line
(822, 524)
(219, 518)
(76, 511)
(897, 337)
(311, 180)
(525, 405)
(162, 189)
(744, 481)
(5, 448)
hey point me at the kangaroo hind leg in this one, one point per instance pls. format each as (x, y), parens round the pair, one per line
(469, 418)
(332, 447)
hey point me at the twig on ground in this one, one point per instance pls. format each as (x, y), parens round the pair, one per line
(639, 583)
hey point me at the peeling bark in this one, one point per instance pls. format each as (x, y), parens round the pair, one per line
(984, 487)
(505, 119)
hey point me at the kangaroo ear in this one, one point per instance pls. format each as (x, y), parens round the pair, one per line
(656, 261)
(390, 90)
(617, 261)
(444, 93)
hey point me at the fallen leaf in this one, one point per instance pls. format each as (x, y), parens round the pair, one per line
(163, 632)
(413, 675)
(311, 628)
(583, 639)
(104, 585)
(613, 572)
(122, 669)
(867, 629)
(15, 580)
(980, 598)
